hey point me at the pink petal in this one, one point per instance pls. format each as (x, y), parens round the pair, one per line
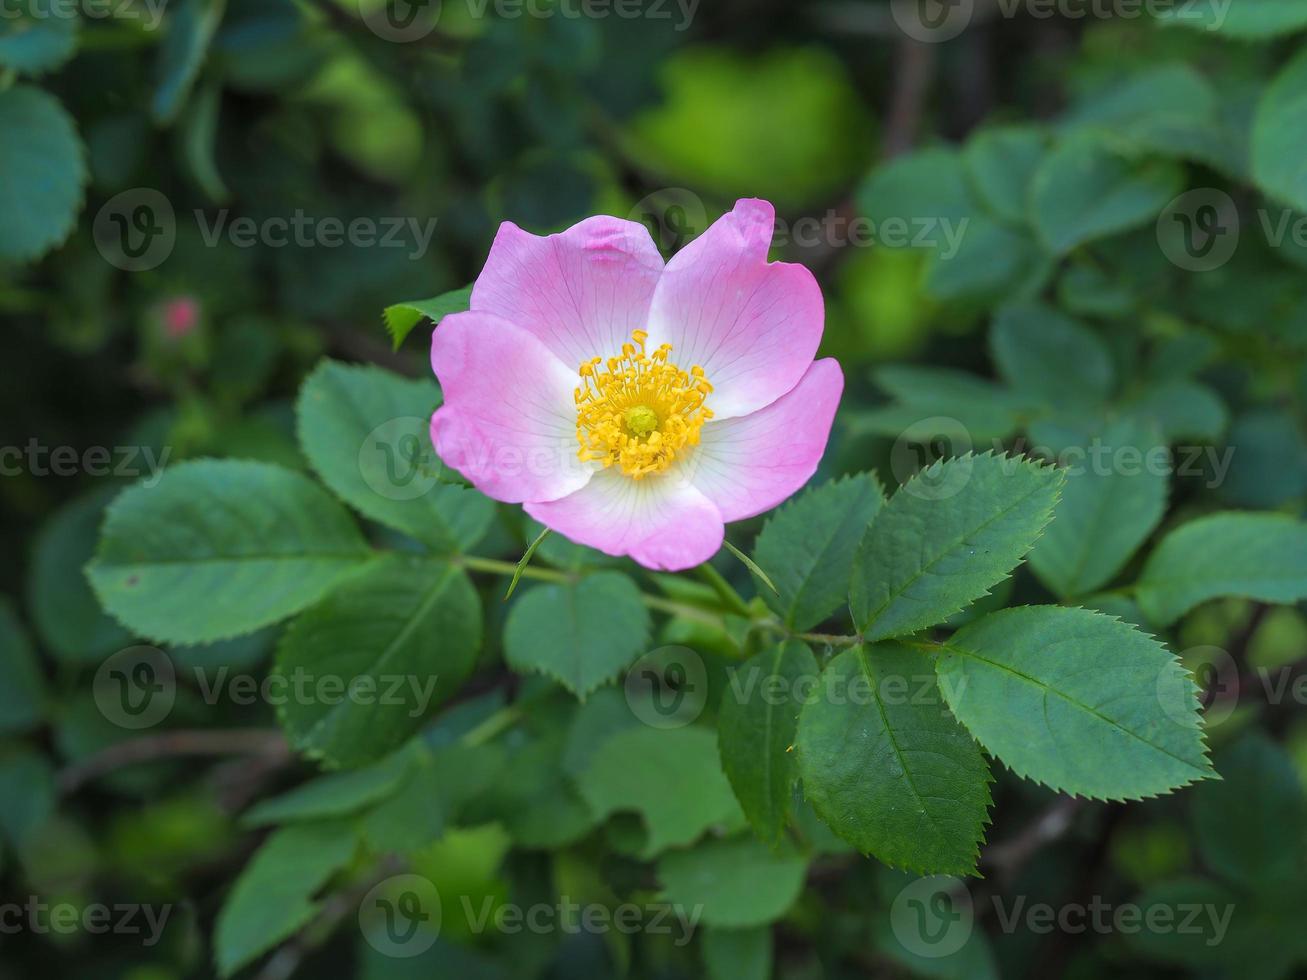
(754, 327)
(581, 292)
(660, 521)
(508, 423)
(749, 465)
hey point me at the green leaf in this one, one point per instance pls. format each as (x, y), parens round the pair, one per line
(1001, 162)
(273, 896)
(984, 409)
(1170, 110)
(333, 795)
(1115, 495)
(190, 28)
(945, 538)
(393, 642)
(755, 732)
(985, 262)
(535, 801)
(928, 184)
(1032, 344)
(27, 796)
(218, 548)
(671, 777)
(1076, 700)
(737, 883)
(737, 954)
(22, 690)
(401, 318)
(1084, 191)
(887, 767)
(42, 172)
(64, 610)
(1184, 410)
(1253, 556)
(581, 633)
(36, 38)
(809, 544)
(1248, 825)
(1279, 160)
(366, 433)
(1248, 20)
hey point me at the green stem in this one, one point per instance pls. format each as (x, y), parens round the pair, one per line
(496, 567)
(725, 591)
(502, 719)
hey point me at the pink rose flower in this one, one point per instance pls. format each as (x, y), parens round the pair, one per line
(631, 405)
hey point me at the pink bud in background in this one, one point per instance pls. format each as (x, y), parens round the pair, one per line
(180, 316)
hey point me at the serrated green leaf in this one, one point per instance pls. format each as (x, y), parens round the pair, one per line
(945, 538)
(36, 38)
(217, 548)
(1084, 190)
(402, 636)
(755, 732)
(1278, 145)
(1032, 344)
(401, 318)
(1076, 700)
(42, 172)
(736, 883)
(1253, 556)
(809, 544)
(22, 689)
(670, 777)
(738, 954)
(580, 633)
(1248, 825)
(273, 896)
(365, 432)
(1110, 504)
(1248, 20)
(887, 767)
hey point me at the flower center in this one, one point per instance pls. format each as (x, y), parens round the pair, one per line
(639, 410)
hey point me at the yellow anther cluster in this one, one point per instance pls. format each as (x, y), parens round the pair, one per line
(639, 410)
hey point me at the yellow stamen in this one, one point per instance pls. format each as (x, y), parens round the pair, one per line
(641, 411)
